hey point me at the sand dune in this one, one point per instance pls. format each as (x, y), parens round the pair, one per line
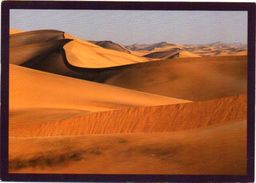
(173, 53)
(186, 54)
(187, 78)
(224, 76)
(34, 89)
(38, 36)
(111, 45)
(88, 55)
(149, 47)
(78, 52)
(216, 150)
(34, 53)
(191, 50)
(141, 119)
(217, 49)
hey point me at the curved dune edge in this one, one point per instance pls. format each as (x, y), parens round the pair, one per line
(221, 76)
(143, 119)
(88, 55)
(31, 88)
(208, 151)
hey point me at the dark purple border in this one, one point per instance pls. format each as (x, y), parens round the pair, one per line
(7, 5)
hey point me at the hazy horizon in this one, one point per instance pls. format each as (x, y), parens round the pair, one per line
(142, 27)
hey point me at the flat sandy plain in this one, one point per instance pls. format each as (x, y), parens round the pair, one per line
(97, 107)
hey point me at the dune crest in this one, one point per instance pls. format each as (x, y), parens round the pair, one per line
(88, 55)
(151, 119)
(70, 93)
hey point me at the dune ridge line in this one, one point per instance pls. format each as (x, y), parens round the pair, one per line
(145, 119)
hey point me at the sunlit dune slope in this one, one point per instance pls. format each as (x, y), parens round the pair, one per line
(149, 119)
(185, 54)
(187, 78)
(206, 151)
(88, 55)
(35, 89)
(14, 31)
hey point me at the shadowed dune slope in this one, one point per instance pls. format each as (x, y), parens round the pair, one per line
(164, 54)
(30, 55)
(151, 119)
(38, 36)
(34, 46)
(187, 78)
(149, 47)
(35, 89)
(216, 150)
(111, 45)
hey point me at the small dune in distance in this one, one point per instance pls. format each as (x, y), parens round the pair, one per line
(98, 107)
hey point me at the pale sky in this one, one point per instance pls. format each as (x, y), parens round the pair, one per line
(136, 26)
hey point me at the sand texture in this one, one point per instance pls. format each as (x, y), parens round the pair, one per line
(98, 107)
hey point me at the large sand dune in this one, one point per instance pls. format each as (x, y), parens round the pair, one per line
(140, 119)
(33, 53)
(78, 52)
(179, 78)
(88, 55)
(31, 89)
(187, 78)
(38, 36)
(205, 151)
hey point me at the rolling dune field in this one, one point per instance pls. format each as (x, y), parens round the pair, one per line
(99, 107)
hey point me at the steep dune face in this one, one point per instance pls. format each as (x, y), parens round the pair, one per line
(35, 46)
(111, 45)
(31, 54)
(34, 89)
(37, 36)
(88, 55)
(187, 78)
(217, 150)
(151, 119)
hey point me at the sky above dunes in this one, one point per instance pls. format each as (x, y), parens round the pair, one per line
(129, 27)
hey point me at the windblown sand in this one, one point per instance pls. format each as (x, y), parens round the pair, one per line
(87, 107)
